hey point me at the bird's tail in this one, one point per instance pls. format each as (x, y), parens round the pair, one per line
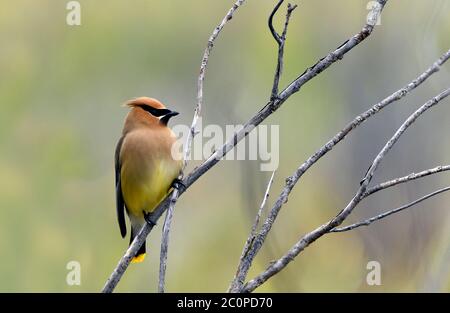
(136, 226)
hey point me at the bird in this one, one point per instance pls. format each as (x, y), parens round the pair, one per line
(148, 163)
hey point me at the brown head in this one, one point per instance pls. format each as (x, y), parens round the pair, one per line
(147, 112)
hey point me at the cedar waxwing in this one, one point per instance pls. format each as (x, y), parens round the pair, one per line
(145, 166)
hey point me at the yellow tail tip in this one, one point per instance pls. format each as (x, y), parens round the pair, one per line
(138, 258)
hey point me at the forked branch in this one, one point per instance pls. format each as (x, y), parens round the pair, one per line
(281, 41)
(369, 221)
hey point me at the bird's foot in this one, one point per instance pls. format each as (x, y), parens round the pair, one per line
(148, 217)
(178, 184)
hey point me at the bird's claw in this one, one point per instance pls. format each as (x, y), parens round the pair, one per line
(148, 219)
(178, 184)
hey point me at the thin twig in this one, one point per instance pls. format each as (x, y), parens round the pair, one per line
(281, 40)
(261, 208)
(275, 35)
(390, 212)
(187, 147)
(290, 9)
(257, 119)
(239, 278)
(312, 236)
(404, 179)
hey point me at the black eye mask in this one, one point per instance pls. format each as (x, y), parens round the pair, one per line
(155, 112)
(165, 113)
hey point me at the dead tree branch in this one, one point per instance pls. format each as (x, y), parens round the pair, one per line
(312, 236)
(292, 180)
(259, 117)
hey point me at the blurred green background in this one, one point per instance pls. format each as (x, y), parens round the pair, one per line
(61, 88)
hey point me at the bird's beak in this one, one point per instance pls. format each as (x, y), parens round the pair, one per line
(171, 114)
(167, 116)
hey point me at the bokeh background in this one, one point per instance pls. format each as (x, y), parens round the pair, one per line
(61, 88)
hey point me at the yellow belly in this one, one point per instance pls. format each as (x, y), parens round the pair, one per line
(145, 185)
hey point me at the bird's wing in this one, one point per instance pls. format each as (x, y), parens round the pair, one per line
(120, 204)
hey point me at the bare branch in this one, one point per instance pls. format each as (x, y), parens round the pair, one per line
(307, 239)
(187, 147)
(292, 180)
(281, 40)
(241, 273)
(405, 179)
(390, 212)
(259, 117)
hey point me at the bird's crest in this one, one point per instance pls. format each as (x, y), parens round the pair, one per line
(145, 101)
